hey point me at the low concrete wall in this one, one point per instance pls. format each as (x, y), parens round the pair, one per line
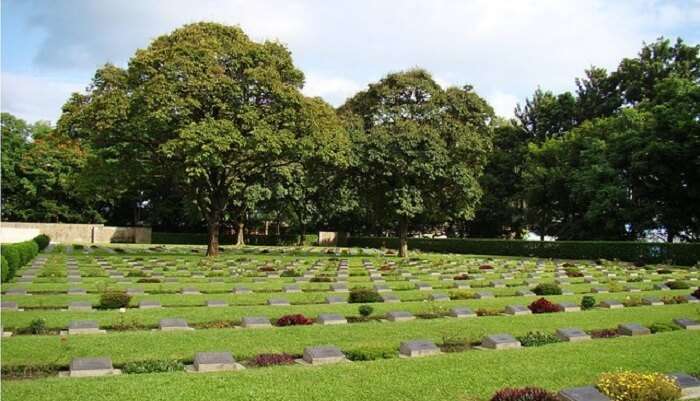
(74, 233)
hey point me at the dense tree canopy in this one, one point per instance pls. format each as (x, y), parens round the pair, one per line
(207, 128)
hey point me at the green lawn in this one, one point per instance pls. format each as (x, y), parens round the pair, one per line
(473, 375)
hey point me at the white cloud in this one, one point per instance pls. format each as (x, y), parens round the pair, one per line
(503, 103)
(334, 90)
(34, 98)
(505, 49)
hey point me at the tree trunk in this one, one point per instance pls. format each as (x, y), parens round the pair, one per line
(403, 238)
(239, 234)
(670, 235)
(302, 235)
(213, 245)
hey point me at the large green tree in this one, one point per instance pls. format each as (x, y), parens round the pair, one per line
(421, 149)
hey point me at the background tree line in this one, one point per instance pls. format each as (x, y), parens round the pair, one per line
(208, 129)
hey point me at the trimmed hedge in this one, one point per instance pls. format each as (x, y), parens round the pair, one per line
(680, 254)
(19, 254)
(227, 239)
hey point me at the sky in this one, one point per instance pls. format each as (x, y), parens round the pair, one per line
(504, 49)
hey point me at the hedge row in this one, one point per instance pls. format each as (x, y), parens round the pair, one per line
(19, 254)
(227, 239)
(686, 254)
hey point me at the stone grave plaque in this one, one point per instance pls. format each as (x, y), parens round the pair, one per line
(462, 312)
(690, 385)
(330, 318)
(632, 329)
(214, 362)
(572, 335)
(500, 341)
(390, 298)
(256, 322)
(423, 287)
(688, 324)
(399, 316)
(483, 295)
(498, 284)
(418, 348)
(587, 393)
(16, 291)
(525, 293)
(84, 327)
(569, 307)
(599, 290)
(439, 297)
(381, 288)
(323, 355)
(85, 367)
(241, 290)
(612, 304)
(653, 301)
(9, 306)
(336, 300)
(216, 303)
(190, 291)
(277, 302)
(517, 310)
(173, 324)
(135, 291)
(292, 288)
(77, 291)
(80, 306)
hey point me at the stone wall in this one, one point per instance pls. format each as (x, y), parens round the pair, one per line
(74, 233)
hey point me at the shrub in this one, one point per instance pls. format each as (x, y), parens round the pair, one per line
(486, 267)
(153, 366)
(321, 279)
(547, 289)
(363, 296)
(365, 310)
(542, 305)
(663, 327)
(114, 300)
(679, 299)
(632, 301)
(637, 279)
(42, 241)
(290, 273)
(5, 269)
(536, 339)
(696, 293)
(524, 394)
(587, 302)
(455, 344)
(78, 247)
(632, 386)
(148, 280)
(370, 354)
(677, 285)
(461, 294)
(293, 320)
(37, 326)
(487, 312)
(272, 359)
(11, 254)
(604, 333)
(136, 273)
(462, 276)
(664, 271)
(573, 273)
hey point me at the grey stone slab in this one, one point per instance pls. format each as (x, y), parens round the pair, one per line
(336, 300)
(277, 302)
(77, 291)
(84, 327)
(173, 324)
(517, 310)
(241, 290)
(399, 316)
(569, 307)
(216, 303)
(439, 297)
(418, 348)
(690, 386)
(149, 304)
(652, 301)
(599, 290)
(423, 287)
(339, 287)
(688, 324)
(498, 284)
(462, 312)
(483, 295)
(16, 291)
(500, 341)
(381, 288)
(587, 393)
(525, 293)
(390, 298)
(134, 291)
(323, 355)
(214, 362)
(330, 318)
(80, 306)
(292, 288)
(85, 367)
(190, 291)
(572, 335)
(8, 305)
(612, 304)
(632, 329)
(256, 322)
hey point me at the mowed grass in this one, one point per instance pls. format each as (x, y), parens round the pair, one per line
(467, 376)
(129, 346)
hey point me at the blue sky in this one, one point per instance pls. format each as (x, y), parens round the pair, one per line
(505, 49)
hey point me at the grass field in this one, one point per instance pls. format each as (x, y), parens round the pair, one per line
(471, 374)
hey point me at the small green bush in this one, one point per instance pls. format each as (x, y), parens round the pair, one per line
(370, 354)
(37, 326)
(536, 339)
(114, 300)
(678, 285)
(11, 253)
(547, 289)
(5, 270)
(78, 247)
(587, 302)
(42, 241)
(365, 310)
(363, 296)
(153, 366)
(663, 327)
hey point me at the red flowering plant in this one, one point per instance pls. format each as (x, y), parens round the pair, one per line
(273, 359)
(294, 320)
(524, 394)
(542, 305)
(486, 267)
